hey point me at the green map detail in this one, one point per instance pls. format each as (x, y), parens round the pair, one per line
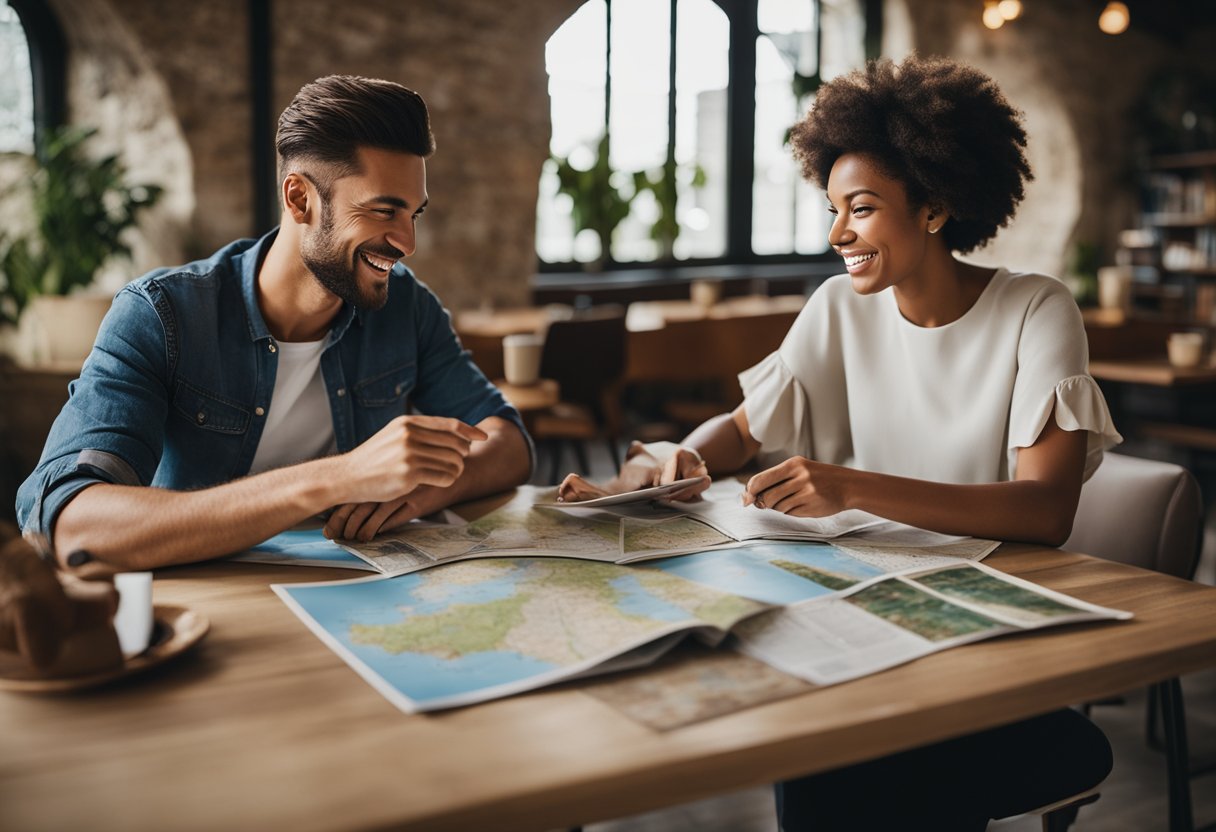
(816, 576)
(458, 631)
(928, 617)
(977, 587)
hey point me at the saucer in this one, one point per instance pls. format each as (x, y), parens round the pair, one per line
(174, 630)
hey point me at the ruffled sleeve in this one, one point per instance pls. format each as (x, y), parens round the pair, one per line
(1079, 405)
(778, 413)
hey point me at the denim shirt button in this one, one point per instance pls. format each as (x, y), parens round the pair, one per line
(201, 417)
(260, 411)
(272, 347)
(341, 391)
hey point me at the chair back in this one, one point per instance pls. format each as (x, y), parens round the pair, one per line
(1141, 512)
(586, 355)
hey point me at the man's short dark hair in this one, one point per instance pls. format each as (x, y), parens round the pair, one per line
(942, 128)
(332, 117)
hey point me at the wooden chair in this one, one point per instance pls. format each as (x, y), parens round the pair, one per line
(586, 356)
(1149, 514)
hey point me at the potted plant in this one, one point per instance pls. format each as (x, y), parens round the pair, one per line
(81, 208)
(598, 203)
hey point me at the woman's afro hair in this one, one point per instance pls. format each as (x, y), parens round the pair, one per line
(942, 128)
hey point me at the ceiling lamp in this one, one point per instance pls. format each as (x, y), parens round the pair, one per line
(1010, 9)
(1114, 18)
(993, 18)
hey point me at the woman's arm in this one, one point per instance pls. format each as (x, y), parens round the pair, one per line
(1037, 507)
(722, 445)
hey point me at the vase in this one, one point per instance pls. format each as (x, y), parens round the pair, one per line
(57, 332)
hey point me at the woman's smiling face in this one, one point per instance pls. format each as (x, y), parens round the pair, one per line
(882, 238)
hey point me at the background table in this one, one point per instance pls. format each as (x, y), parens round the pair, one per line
(264, 727)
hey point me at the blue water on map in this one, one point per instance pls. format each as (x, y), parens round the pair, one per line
(306, 544)
(635, 599)
(749, 570)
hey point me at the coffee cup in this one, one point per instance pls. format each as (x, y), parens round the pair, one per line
(521, 358)
(1185, 348)
(1115, 287)
(705, 293)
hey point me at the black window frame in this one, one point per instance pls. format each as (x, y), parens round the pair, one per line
(742, 16)
(48, 64)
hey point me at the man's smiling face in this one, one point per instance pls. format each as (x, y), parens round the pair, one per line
(366, 225)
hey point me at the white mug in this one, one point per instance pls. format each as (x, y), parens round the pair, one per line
(1185, 348)
(521, 358)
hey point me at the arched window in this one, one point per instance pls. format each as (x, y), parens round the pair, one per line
(697, 167)
(16, 86)
(31, 74)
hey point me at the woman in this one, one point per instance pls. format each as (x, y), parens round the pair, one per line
(927, 390)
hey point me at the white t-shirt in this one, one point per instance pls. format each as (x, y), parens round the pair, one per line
(857, 384)
(299, 423)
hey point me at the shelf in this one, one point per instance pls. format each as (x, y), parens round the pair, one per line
(1196, 159)
(1179, 220)
(1200, 271)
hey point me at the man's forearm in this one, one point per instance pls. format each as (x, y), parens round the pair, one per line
(500, 463)
(141, 528)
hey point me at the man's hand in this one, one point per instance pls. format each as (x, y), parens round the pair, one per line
(799, 487)
(38, 615)
(363, 521)
(408, 452)
(393, 469)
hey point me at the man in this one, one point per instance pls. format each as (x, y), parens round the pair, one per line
(285, 376)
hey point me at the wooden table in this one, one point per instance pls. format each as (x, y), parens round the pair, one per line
(530, 397)
(263, 727)
(1157, 372)
(673, 340)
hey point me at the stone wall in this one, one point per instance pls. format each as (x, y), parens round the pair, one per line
(168, 86)
(1076, 86)
(480, 65)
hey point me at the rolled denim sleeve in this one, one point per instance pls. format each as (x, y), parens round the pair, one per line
(112, 428)
(449, 383)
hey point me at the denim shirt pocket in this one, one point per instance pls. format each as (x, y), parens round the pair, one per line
(210, 411)
(388, 389)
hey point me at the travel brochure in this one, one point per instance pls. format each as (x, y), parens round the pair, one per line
(475, 630)
(532, 523)
(535, 593)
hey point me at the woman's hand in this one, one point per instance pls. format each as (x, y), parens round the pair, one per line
(575, 489)
(800, 487)
(681, 465)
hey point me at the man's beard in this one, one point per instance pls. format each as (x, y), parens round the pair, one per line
(323, 256)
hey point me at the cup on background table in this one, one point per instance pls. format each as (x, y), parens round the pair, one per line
(705, 293)
(521, 358)
(1185, 349)
(1115, 287)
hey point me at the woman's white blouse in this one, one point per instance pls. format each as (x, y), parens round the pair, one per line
(855, 383)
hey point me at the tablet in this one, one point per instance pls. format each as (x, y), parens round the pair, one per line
(642, 495)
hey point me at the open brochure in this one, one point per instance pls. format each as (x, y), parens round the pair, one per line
(627, 533)
(476, 630)
(468, 632)
(884, 622)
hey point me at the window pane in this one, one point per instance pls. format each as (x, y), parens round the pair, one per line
(774, 191)
(789, 214)
(638, 123)
(16, 86)
(702, 74)
(574, 59)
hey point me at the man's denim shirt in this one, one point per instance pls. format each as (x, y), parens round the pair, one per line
(177, 388)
